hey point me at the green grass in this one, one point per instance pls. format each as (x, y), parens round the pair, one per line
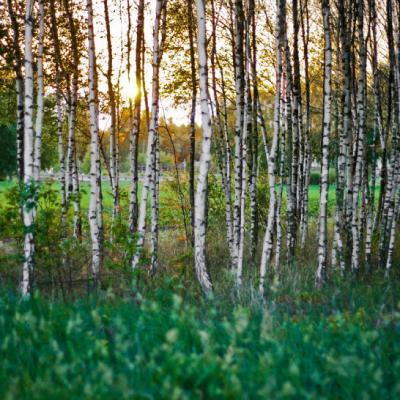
(314, 192)
(333, 344)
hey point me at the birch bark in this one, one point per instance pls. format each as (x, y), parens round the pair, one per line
(40, 97)
(134, 137)
(29, 197)
(268, 237)
(19, 88)
(94, 151)
(326, 130)
(141, 229)
(205, 159)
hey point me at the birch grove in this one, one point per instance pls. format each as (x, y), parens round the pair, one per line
(274, 123)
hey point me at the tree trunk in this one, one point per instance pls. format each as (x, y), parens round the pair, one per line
(19, 89)
(192, 116)
(326, 131)
(72, 168)
(29, 198)
(113, 126)
(134, 137)
(37, 157)
(205, 159)
(271, 161)
(152, 136)
(94, 210)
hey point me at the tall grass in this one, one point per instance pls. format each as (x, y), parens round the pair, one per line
(168, 343)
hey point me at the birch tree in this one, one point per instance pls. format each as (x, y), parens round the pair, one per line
(134, 136)
(205, 158)
(60, 114)
(72, 168)
(19, 86)
(271, 154)
(113, 127)
(94, 210)
(326, 131)
(29, 194)
(192, 114)
(40, 97)
(152, 136)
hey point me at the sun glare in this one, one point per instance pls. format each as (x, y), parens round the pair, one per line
(129, 89)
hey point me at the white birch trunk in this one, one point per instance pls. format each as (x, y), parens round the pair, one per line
(155, 205)
(94, 150)
(239, 87)
(205, 160)
(29, 198)
(61, 156)
(40, 97)
(246, 129)
(133, 197)
(326, 131)
(268, 237)
(141, 228)
(355, 221)
(19, 89)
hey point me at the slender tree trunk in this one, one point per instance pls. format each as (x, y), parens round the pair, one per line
(297, 131)
(40, 97)
(60, 117)
(134, 137)
(247, 128)
(254, 137)
(269, 232)
(377, 132)
(226, 173)
(29, 198)
(94, 211)
(155, 180)
(360, 154)
(19, 88)
(281, 150)
(72, 167)
(305, 30)
(394, 205)
(113, 126)
(192, 115)
(205, 159)
(326, 131)
(152, 136)
(292, 131)
(155, 205)
(239, 87)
